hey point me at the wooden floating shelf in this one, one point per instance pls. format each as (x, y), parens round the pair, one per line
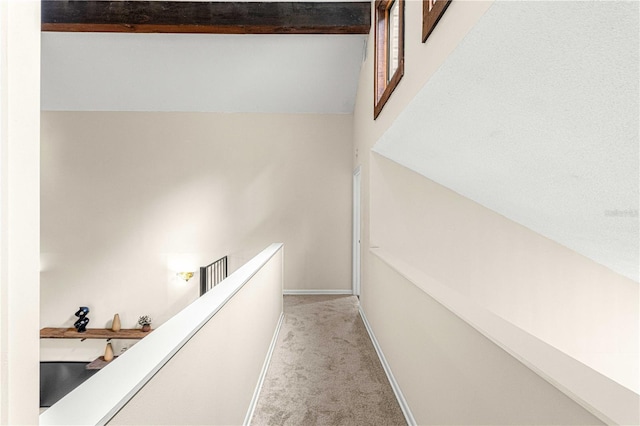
(92, 333)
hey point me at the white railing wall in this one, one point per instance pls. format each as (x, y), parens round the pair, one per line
(202, 366)
(450, 323)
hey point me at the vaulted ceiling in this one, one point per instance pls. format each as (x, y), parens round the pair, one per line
(290, 57)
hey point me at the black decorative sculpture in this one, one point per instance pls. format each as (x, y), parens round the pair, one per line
(81, 323)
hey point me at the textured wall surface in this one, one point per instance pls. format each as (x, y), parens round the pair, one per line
(535, 116)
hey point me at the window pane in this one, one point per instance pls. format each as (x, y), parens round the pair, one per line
(393, 41)
(389, 50)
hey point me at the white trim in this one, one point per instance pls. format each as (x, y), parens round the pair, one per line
(404, 405)
(356, 260)
(316, 292)
(140, 363)
(263, 373)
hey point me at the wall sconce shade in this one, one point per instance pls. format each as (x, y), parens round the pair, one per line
(185, 275)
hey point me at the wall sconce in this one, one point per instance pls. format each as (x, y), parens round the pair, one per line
(185, 275)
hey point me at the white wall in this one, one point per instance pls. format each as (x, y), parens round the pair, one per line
(19, 210)
(214, 347)
(213, 377)
(129, 199)
(426, 227)
(451, 374)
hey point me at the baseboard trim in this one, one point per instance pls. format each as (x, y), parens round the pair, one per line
(404, 406)
(263, 373)
(316, 292)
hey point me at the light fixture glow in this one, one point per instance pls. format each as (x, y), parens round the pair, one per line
(185, 275)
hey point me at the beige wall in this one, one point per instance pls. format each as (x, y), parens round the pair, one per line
(19, 211)
(129, 199)
(568, 301)
(424, 226)
(421, 61)
(450, 373)
(213, 384)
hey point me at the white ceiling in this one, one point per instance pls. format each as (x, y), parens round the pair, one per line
(535, 116)
(200, 72)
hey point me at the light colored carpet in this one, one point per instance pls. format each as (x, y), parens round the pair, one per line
(324, 370)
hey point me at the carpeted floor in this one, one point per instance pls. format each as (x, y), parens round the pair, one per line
(324, 370)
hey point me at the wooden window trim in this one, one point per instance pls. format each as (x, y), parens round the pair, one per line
(383, 85)
(431, 17)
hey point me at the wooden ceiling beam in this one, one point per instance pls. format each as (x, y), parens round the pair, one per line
(220, 17)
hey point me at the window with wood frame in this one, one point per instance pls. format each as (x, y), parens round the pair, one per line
(389, 50)
(432, 11)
